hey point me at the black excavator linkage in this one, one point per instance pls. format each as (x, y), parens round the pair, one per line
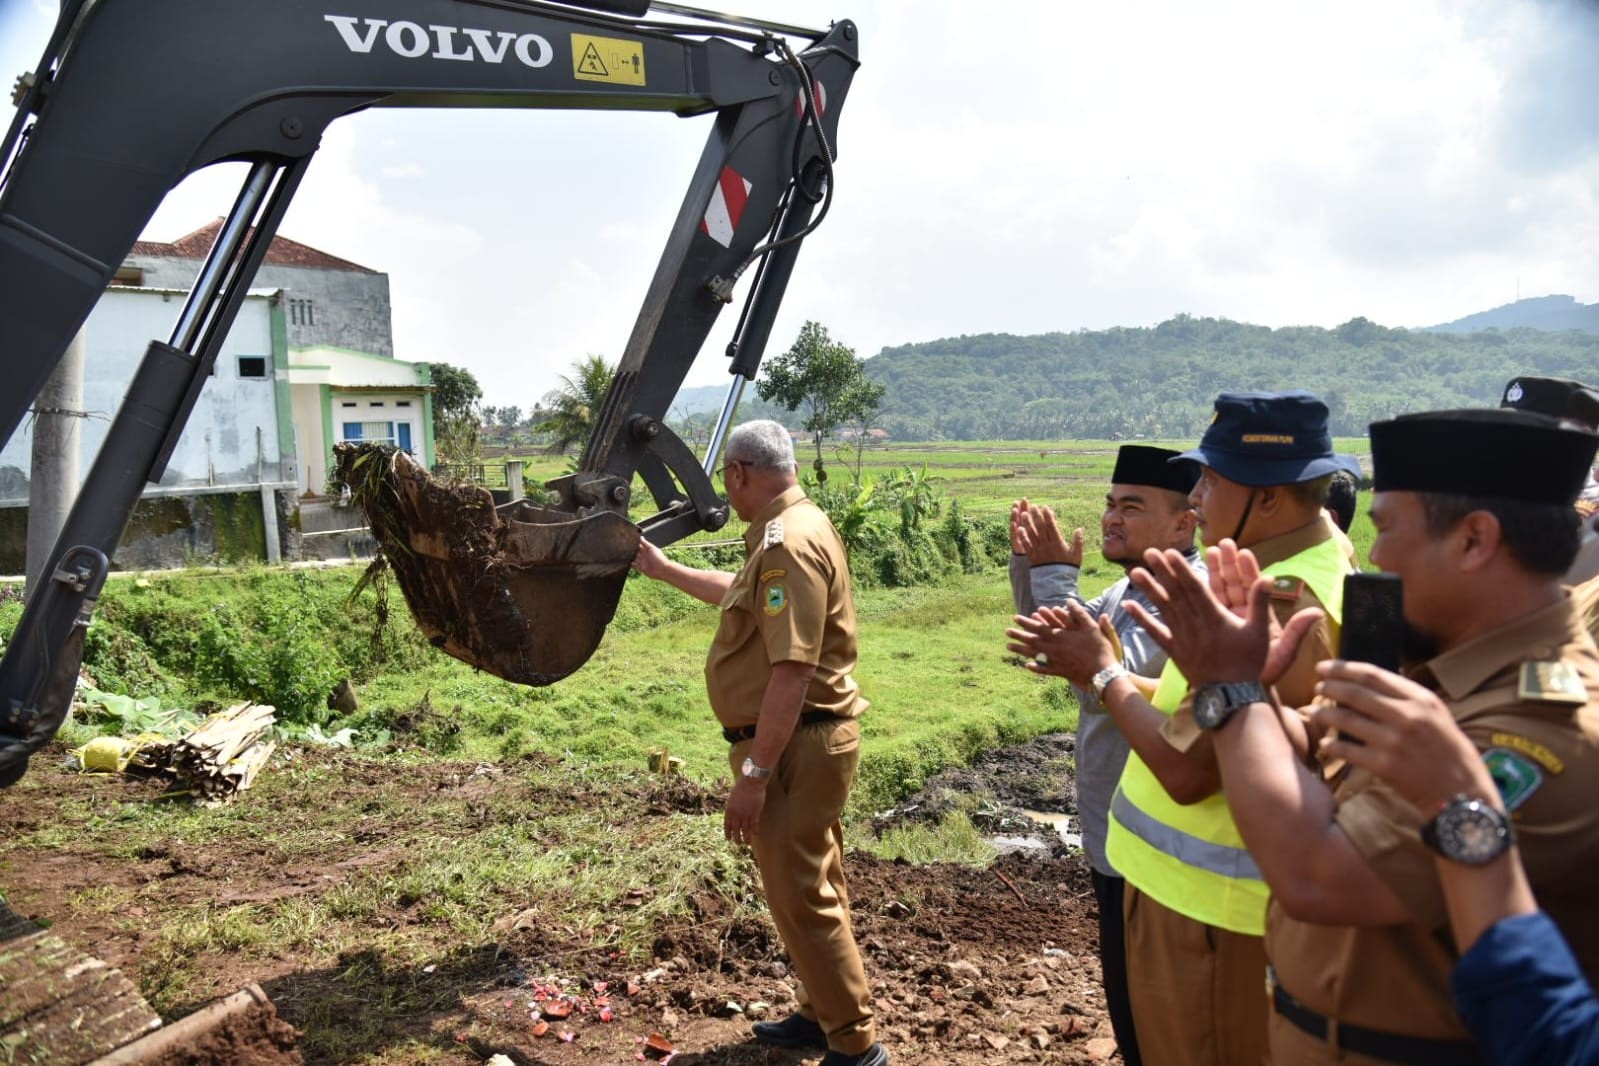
(131, 96)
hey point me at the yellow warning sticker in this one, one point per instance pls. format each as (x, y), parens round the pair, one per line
(611, 59)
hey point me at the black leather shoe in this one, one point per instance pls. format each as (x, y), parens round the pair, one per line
(794, 1031)
(872, 1056)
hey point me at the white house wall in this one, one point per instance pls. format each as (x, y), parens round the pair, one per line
(232, 438)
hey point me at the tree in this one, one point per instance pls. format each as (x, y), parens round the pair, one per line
(455, 414)
(827, 379)
(508, 417)
(570, 411)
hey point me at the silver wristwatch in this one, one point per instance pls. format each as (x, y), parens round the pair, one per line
(1102, 680)
(1214, 704)
(750, 770)
(1469, 831)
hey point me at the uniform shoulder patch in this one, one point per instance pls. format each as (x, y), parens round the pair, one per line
(774, 600)
(1533, 750)
(771, 575)
(774, 533)
(1287, 588)
(1516, 776)
(1551, 682)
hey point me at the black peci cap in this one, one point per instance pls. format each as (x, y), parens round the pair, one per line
(1270, 438)
(1559, 397)
(1511, 454)
(1161, 468)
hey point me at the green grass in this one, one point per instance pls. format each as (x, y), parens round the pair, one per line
(932, 659)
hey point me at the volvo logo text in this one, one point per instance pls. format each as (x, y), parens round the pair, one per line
(413, 41)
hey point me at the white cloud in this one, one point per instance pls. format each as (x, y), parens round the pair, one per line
(1022, 168)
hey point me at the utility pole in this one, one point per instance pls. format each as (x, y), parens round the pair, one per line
(53, 476)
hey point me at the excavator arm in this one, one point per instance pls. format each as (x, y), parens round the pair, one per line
(134, 95)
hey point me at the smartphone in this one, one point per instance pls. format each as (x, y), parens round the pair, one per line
(1374, 624)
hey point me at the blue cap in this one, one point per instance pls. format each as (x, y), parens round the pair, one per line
(1270, 438)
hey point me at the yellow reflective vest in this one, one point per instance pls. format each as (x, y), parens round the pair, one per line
(1191, 859)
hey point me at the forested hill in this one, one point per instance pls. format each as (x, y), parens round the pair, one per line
(1161, 381)
(1535, 312)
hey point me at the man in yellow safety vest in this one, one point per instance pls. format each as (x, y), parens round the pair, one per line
(1195, 904)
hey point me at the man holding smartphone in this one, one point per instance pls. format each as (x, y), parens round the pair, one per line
(1474, 514)
(1195, 902)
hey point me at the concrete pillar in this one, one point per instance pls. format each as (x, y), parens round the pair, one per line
(513, 478)
(53, 475)
(269, 522)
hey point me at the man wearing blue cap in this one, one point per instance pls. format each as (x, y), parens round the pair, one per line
(1473, 511)
(1196, 902)
(1146, 507)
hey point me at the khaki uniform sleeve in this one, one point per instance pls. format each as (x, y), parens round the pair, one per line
(1295, 689)
(791, 604)
(1298, 685)
(1544, 770)
(1184, 734)
(1386, 830)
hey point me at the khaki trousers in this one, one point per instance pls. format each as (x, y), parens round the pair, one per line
(799, 851)
(1198, 992)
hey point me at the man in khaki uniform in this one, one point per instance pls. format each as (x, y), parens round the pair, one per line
(779, 679)
(1473, 513)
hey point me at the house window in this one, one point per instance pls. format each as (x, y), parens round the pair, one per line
(302, 312)
(347, 403)
(375, 403)
(395, 433)
(252, 366)
(402, 403)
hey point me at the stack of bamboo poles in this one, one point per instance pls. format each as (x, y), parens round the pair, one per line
(221, 758)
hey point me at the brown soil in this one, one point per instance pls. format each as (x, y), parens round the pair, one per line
(525, 592)
(969, 966)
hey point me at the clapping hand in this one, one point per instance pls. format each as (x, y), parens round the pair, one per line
(1064, 642)
(1035, 533)
(1221, 629)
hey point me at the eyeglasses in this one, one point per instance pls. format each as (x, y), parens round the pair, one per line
(730, 464)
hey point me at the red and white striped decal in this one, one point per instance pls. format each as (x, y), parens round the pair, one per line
(732, 192)
(821, 100)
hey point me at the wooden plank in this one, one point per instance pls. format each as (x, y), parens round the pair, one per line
(59, 1005)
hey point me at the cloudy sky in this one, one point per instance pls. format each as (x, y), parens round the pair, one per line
(1007, 167)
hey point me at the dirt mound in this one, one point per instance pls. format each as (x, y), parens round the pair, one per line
(998, 787)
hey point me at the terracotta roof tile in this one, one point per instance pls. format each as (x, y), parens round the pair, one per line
(282, 252)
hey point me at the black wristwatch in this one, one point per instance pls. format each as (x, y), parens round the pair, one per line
(1214, 704)
(1469, 831)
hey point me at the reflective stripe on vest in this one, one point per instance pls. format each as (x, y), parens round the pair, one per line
(1191, 859)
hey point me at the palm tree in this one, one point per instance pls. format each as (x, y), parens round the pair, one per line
(573, 407)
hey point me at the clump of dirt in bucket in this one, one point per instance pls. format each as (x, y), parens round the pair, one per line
(524, 592)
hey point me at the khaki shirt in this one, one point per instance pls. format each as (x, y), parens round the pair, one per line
(1542, 744)
(791, 602)
(1288, 598)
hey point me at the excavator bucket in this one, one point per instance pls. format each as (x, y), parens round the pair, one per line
(522, 591)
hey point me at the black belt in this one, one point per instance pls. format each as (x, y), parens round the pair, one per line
(747, 732)
(1390, 1047)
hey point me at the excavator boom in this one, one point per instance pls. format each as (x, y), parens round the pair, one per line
(134, 95)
